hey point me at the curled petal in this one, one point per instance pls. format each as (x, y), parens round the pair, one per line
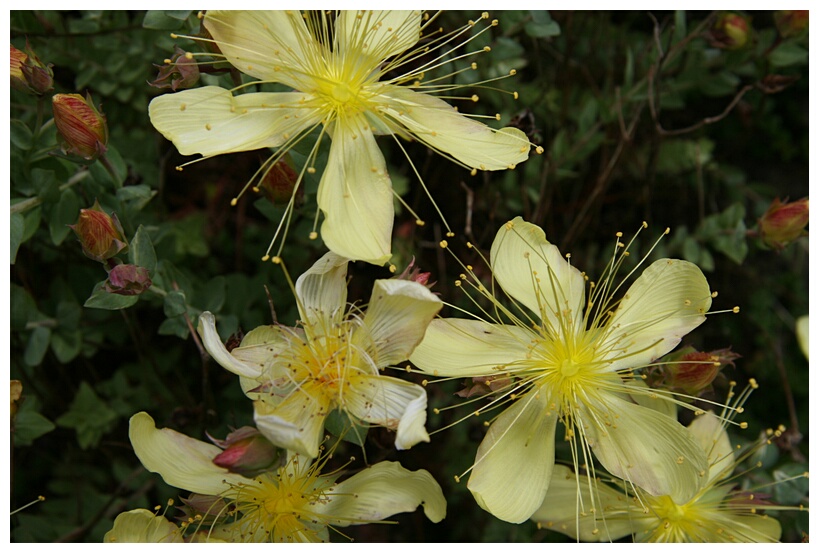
(143, 526)
(181, 461)
(392, 403)
(533, 272)
(355, 195)
(396, 320)
(211, 121)
(667, 302)
(515, 459)
(439, 126)
(381, 491)
(467, 348)
(217, 350)
(321, 292)
(295, 423)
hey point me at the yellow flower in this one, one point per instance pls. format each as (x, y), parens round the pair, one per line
(353, 79)
(143, 526)
(717, 513)
(297, 376)
(296, 503)
(571, 360)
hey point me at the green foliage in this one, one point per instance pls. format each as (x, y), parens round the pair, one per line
(89, 416)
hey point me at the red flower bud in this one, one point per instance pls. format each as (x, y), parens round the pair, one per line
(783, 223)
(414, 274)
(690, 371)
(791, 22)
(180, 71)
(127, 280)
(28, 73)
(247, 452)
(278, 184)
(100, 234)
(730, 32)
(82, 129)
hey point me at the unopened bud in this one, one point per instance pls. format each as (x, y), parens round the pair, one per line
(16, 392)
(279, 182)
(29, 74)
(247, 452)
(181, 72)
(783, 223)
(127, 280)
(414, 274)
(691, 371)
(791, 22)
(83, 130)
(100, 234)
(730, 32)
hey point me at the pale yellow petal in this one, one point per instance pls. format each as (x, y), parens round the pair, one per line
(708, 430)
(181, 461)
(321, 292)
(210, 120)
(467, 348)
(297, 422)
(355, 195)
(391, 403)
(533, 272)
(368, 37)
(644, 395)
(588, 510)
(667, 302)
(439, 126)
(213, 344)
(397, 317)
(271, 45)
(142, 526)
(380, 491)
(803, 334)
(515, 459)
(646, 448)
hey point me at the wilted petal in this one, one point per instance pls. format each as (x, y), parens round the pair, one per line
(515, 459)
(391, 403)
(355, 195)
(376, 35)
(296, 423)
(143, 526)
(381, 491)
(397, 318)
(217, 350)
(181, 461)
(667, 302)
(570, 510)
(210, 120)
(533, 272)
(270, 45)
(438, 125)
(647, 448)
(463, 347)
(321, 292)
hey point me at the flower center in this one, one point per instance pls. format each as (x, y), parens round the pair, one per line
(341, 93)
(568, 368)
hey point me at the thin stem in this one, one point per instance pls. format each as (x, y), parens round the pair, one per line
(31, 203)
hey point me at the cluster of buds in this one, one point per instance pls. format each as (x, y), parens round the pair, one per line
(29, 74)
(82, 128)
(783, 223)
(248, 453)
(731, 31)
(180, 71)
(690, 371)
(791, 22)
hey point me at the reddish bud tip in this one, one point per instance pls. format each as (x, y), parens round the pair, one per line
(127, 280)
(100, 234)
(791, 22)
(83, 130)
(783, 222)
(731, 31)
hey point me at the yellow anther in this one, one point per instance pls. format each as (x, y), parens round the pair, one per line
(443, 244)
(276, 259)
(313, 235)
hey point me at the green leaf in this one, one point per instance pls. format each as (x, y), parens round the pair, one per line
(141, 252)
(37, 346)
(174, 303)
(89, 416)
(542, 25)
(338, 423)
(163, 20)
(791, 483)
(45, 183)
(212, 296)
(175, 326)
(64, 213)
(66, 344)
(16, 227)
(100, 299)
(31, 222)
(788, 53)
(20, 135)
(23, 308)
(29, 424)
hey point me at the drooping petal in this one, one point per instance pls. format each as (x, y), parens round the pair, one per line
(181, 461)
(667, 302)
(296, 423)
(707, 429)
(646, 448)
(570, 509)
(321, 292)
(368, 37)
(380, 491)
(396, 320)
(217, 350)
(391, 403)
(355, 195)
(271, 45)
(143, 526)
(467, 348)
(515, 459)
(210, 120)
(439, 126)
(533, 272)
